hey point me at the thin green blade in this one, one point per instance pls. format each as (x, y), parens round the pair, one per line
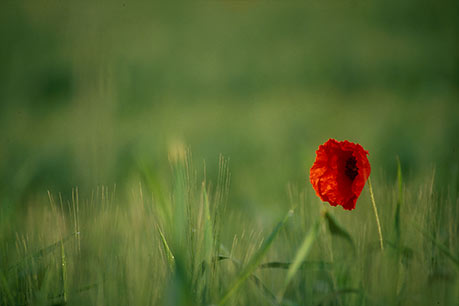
(255, 260)
(338, 230)
(300, 256)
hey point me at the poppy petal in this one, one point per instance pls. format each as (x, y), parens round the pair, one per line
(340, 172)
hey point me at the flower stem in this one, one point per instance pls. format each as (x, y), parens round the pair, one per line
(372, 197)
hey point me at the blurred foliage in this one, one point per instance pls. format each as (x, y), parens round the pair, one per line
(89, 89)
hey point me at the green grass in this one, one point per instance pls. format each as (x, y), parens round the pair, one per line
(188, 246)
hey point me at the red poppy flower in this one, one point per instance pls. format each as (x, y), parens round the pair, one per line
(339, 173)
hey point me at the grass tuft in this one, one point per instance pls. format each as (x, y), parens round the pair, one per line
(159, 243)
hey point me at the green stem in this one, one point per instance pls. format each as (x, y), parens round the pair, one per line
(64, 272)
(372, 197)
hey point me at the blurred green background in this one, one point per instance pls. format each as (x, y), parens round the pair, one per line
(92, 91)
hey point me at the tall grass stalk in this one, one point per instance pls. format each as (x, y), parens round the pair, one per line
(375, 210)
(398, 231)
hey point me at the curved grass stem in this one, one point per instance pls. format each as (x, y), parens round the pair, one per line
(372, 197)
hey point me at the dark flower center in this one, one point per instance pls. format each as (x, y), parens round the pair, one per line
(351, 168)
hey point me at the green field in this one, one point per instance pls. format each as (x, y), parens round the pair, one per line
(159, 154)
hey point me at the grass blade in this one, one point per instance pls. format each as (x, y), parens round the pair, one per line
(442, 248)
(5, 291)
(300, 256)
(255, 260)
(271, 297)
(64, 273)
(335, 294)
(338, 230)
(399, 201)
(178, 292)
(208, 230)
(44, 251)
(267, 293)
(167, 250)
(287, 265)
